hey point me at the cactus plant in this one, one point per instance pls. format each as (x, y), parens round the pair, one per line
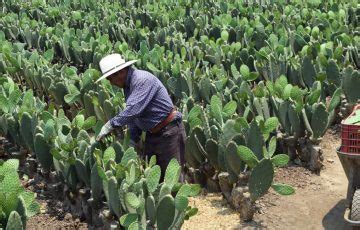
(165, 218)
(96, 184)
(308, 72)
(20, 204)
(255, 140)
(14, 222)
(42, 151)
(233, 160)
(261, 178)
(151, 209)
(26, 130)
(21, 210)
(319, 120)
(350, 83)
(114, 202)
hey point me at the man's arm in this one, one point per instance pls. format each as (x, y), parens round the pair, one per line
(138, 100)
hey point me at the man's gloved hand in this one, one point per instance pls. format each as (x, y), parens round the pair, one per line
(105, 130)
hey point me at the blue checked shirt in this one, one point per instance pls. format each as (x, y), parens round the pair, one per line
(147, 103)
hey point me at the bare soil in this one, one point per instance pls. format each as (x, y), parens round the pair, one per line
(53, 213)
(46, 221)
(319, 201)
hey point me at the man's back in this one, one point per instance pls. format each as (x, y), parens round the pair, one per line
(147, 98)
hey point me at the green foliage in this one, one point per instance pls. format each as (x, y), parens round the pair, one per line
(350, 83)
(16, 203)
(229, 70)
(283, 189)
(261, 179)
(14, 221)
(165, 218)
(42, 151)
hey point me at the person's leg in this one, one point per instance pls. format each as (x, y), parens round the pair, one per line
(166, 145)
(182, 139)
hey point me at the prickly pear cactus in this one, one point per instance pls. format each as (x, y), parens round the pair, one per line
(333, 73)
(308, 72)
(151, 210)
(212, 151)
(255, 140)
(59, 91)
(109, 109)
(172, 173)
(319, 120)
(233, 160)
(26, 130)
(21, 209)
(88, 106)
(114, 201)
(165, 213)
(261, 178)
(153, 178)
(295, 121)
(13, 129)
(350, 84)
(192, 153)
(96, 184)
(42, 151)
(81, 172)
(14, 222)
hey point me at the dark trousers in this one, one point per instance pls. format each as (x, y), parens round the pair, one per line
(167, 144)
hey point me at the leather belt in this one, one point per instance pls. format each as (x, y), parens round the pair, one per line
(164, 123)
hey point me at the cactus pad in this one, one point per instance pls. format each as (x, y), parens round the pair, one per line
(14, 222)
(165, 212)
(261, 178)
(114, 202)
(153, 178)
(42, 151)
(319, 120)
(150, 209)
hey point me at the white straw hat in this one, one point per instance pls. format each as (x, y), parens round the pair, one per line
(111, 64)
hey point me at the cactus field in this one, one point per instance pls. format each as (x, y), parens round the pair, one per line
(258, 82)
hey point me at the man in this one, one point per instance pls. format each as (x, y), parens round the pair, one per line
(148, 108)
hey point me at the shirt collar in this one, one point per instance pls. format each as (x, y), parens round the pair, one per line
(128, 76)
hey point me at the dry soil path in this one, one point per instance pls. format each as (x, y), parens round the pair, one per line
(319, 202)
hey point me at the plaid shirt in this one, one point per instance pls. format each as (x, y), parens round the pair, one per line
(147, 103)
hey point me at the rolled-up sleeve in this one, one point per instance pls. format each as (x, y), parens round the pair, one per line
(138, 100)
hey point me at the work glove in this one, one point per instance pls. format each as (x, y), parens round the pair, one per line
(105, 130)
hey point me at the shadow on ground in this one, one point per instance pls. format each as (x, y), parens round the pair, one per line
(334, 219)
(253, 225)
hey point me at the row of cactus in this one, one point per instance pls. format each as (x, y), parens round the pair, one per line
(16, 204)
(178, 84)
(135, 194)
(285, 67)
(224, 142)
(67, 147)
(64, 88)
(242, 52)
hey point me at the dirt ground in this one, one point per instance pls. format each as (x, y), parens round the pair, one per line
(53, 216)
(46, 221)
(319, 202)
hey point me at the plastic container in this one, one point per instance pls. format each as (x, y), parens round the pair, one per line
(350, 136)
